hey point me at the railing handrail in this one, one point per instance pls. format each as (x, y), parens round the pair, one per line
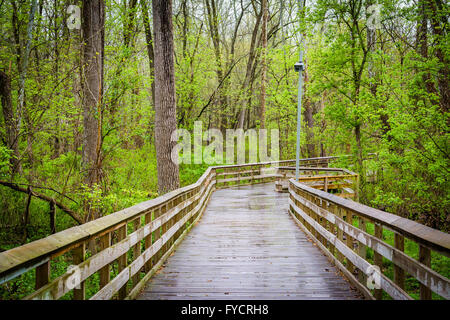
(35, 253)
(318, 169)
(18, 260)
(273, 162)
(172, 210)
(432, 238)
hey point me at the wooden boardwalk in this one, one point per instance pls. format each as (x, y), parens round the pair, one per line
(246, 246)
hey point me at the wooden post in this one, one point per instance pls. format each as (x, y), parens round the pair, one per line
(325, 184)
(122, 260)
(331, 229)
(357, 188)
(399, 273)
(79, 292)
(378, 258)
(105, 242)
(319, 219)
(148, 243)
(137, 247)
(349, 240)
(315, 217)
(42, 275)
(164, 228)
(157, 235)
(362, 251)
(172, 222)
(425, 258)
(323, 222)
(180, 215)
(337, 212)
(188, 209)
(239, 175)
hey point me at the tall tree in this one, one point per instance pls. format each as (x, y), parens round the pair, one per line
(422, 43)
(265, 11)
(11, 136)
(22, 67)
(149, 40)
(213, 21)
(309, 111)
(250, 69)
(438, 10)
(93, 20)
(165, 103)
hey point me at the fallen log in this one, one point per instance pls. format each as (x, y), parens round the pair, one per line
(44, 197)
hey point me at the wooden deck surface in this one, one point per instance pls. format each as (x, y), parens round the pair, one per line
(246, 246)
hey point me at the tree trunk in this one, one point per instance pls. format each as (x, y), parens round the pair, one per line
(52, 217)
(213, 21)
(264, 64)
(128, 29)
(251, 65)
(149, 40)
(43, 197)
(26, 216)
(440, 30)
(92, 86)
(24, 66)
(371, 46)
(308, 113)
(422, 43)
(165, 103)
(10, 124)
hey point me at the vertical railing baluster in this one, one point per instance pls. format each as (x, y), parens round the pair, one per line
(357, 188)
(425, 258)
(331, 229)
(105, 276)
(79, 253)
(362, 250)
(137, 248)
(349, 239)
(399, 273)
(148, 241)
(340, 235)
(122, 260)
(42, 275)
(161, 231)
(378, 258)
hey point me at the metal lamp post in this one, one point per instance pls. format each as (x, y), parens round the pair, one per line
(299, 67)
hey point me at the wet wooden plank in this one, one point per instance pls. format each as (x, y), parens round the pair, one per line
(247, 246)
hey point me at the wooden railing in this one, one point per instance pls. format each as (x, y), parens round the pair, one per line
(339, 227)
(251, 173)
(135, 239)
(118, 253)
(341, 182)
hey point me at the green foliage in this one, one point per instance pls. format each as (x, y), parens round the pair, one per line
(5, 155)
(399, 116)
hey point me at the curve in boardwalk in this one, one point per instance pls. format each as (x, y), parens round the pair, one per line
(246, 246)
